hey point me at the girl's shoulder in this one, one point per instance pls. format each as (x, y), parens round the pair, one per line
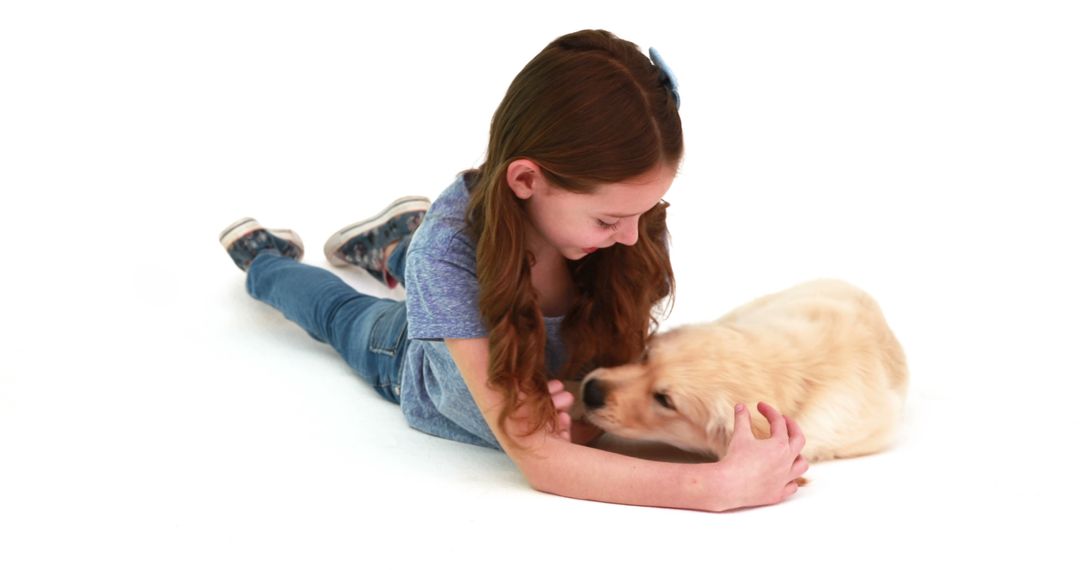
(444, 224)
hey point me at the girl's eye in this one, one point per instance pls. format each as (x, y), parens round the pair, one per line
(664, 400)
(606, 225)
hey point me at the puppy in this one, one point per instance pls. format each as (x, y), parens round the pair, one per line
(820, 352)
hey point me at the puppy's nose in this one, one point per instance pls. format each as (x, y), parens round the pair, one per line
(593, 394)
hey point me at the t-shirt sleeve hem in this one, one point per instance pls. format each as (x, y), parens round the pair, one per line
(439, 333)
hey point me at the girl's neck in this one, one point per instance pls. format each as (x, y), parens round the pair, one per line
(554, 287)
(550, 276)
(542, 251)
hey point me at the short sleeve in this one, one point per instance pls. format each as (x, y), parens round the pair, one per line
(441, 291)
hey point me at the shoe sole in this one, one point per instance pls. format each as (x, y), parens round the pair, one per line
(244, 226)
(342, 236)
(237, 230)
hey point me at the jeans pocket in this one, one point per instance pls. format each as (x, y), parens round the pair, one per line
(388, 331)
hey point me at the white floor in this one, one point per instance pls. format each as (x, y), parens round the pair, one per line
(154, 416)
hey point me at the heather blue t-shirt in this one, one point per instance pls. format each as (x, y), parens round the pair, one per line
(441, 302)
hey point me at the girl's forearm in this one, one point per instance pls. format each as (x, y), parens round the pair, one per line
(562, 468)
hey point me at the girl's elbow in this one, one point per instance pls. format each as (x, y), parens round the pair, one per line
(536, 464)
(541, 478)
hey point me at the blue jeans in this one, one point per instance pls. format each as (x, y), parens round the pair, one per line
(368, 332)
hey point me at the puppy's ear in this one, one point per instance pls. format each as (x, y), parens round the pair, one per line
(714, 416)
(721, 425)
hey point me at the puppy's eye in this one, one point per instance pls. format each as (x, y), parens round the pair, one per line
(664, 400)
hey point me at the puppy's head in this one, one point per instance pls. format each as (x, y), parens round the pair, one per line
(675, 395)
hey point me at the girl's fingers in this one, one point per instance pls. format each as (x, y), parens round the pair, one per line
(562, 400)
(800, 466)
(796, 438)
(564, 426)
(742, 419)
(559, 396)
(776, 421)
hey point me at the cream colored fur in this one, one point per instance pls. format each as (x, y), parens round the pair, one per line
(820, 352)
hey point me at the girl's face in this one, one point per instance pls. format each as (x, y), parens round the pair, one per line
(575, 225)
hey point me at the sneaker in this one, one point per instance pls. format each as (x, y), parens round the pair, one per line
(245, 238)
(362, 244)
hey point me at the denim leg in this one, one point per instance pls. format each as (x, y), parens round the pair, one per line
(395, 265)
(368, 332)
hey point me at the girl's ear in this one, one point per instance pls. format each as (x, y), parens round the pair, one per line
(524, 178)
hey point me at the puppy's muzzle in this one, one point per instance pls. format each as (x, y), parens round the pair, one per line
(593, 393)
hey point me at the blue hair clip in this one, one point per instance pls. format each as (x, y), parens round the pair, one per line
(666, 76)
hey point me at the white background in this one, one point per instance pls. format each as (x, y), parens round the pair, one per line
(152, 415)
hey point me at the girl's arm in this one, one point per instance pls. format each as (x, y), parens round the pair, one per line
(754, 472)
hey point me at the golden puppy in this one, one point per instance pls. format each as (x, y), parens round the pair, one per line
(821, 353)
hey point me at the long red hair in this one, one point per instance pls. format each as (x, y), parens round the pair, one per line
(589, 109)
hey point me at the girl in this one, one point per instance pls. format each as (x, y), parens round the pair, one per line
(551, 256)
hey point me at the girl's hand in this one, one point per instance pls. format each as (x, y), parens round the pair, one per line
(563, 401)
(763, 471)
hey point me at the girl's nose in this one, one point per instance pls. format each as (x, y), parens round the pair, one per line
(628, 233)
